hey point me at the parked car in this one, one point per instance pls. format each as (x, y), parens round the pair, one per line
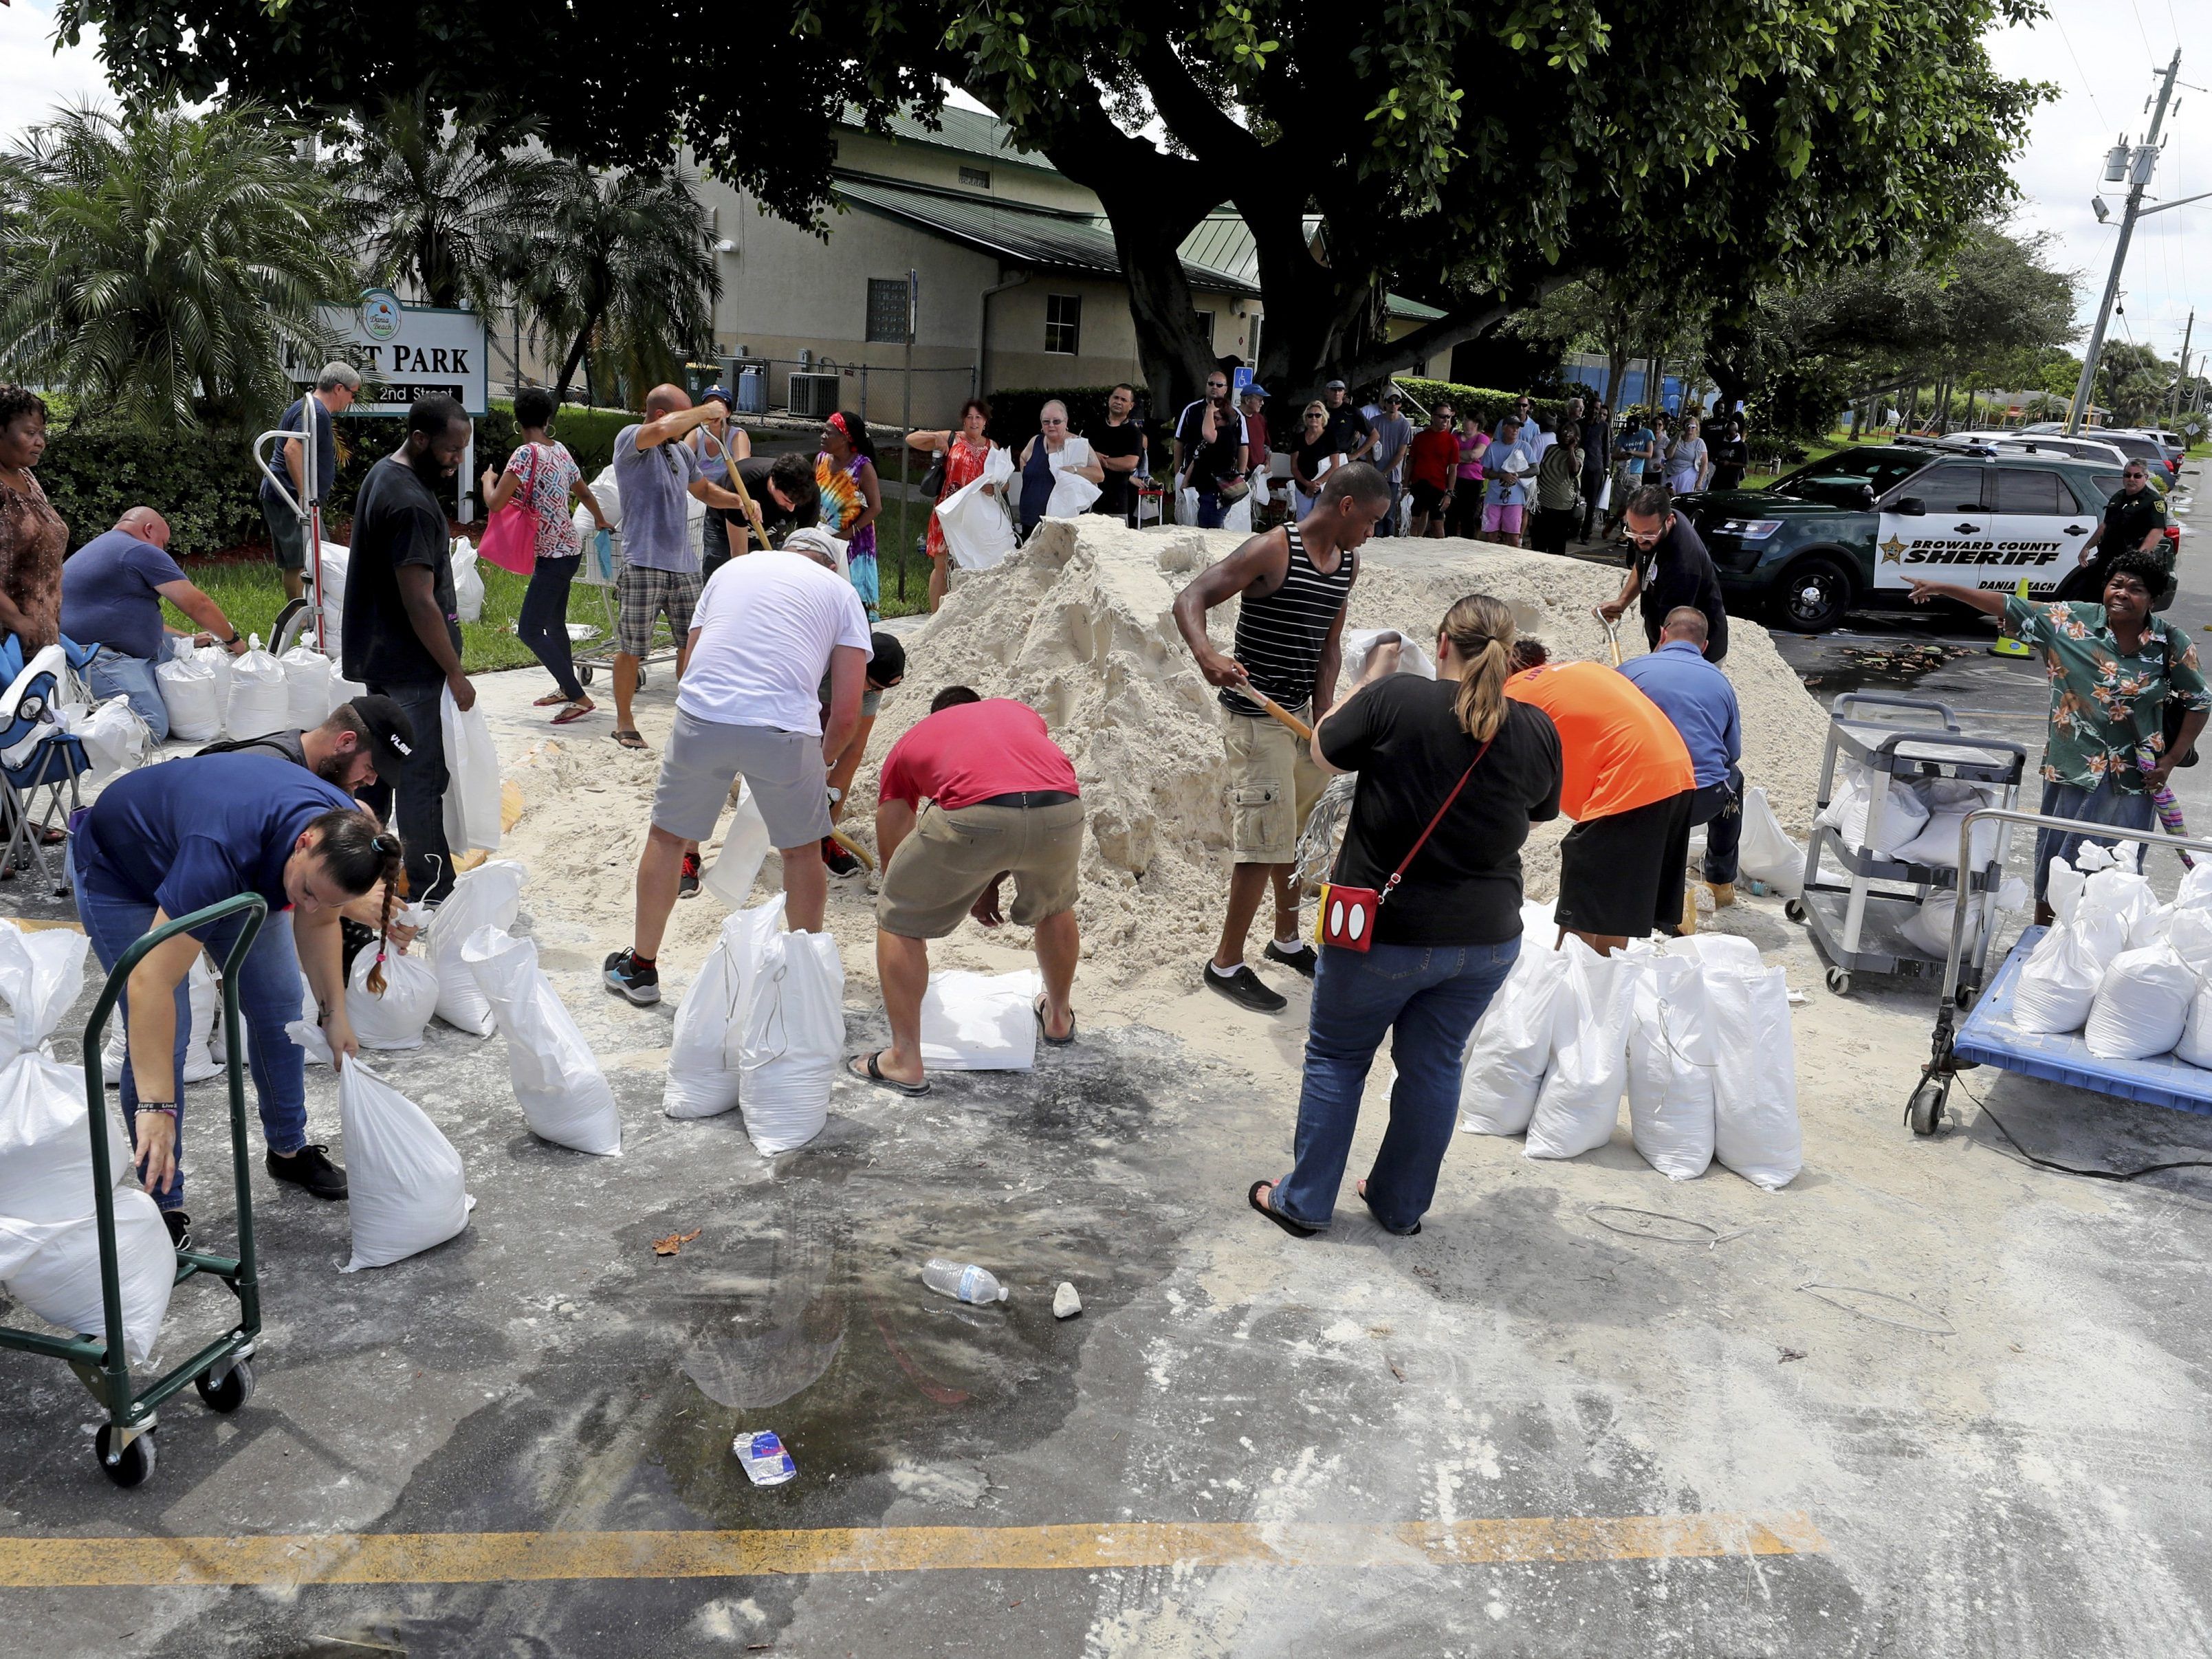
(2135, 446)
(1843, 532)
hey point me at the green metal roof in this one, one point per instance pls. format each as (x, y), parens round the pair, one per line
(1022, 235)
(1413, 310)
(969, 131)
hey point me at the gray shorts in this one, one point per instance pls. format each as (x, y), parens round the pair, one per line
(783, 769)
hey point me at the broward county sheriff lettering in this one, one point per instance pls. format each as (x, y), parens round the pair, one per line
(404, 352)
(1957, 553)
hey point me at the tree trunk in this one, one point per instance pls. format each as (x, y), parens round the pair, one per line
(575, 356)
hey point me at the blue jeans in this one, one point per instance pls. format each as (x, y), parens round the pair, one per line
(1428, 998)
(112, 674)
(417, 806)
(544, 624)
(1211, 512)
(269, 998)
(2103, 805)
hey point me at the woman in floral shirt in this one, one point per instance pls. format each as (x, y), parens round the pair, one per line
(2111, 665)
(548, 479)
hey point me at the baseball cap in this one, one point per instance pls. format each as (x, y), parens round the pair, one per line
(887, 660)
(1254, 390)
(721, 393)
(1391, 397)
(1332, 385)
(391, 735)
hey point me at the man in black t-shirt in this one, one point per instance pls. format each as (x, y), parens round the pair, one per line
(782, 488)
(1210, 449)
(402, 633)
(1349, 431)
(1669, 566)
(1120, 447)
(2135, 520)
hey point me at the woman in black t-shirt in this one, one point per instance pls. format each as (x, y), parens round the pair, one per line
(1313, 451)
(1447, 936)
(1731, 455)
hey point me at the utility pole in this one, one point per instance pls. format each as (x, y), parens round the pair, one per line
(2135, 167)
(2181, 375)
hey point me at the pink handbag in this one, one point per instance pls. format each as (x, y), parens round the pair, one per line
(510, 537)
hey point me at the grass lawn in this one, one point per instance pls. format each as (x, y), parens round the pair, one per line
(1828, 445)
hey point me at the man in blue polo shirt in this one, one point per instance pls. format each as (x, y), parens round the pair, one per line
(112, 593)
(1697, 700)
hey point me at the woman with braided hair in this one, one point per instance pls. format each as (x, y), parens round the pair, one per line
(167, 840)
(1451, 775)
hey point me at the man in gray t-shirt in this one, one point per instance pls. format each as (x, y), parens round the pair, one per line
(655, 472)
(1394, 436)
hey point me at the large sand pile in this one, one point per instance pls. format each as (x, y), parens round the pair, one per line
(1076, 623)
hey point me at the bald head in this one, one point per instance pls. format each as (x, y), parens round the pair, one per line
(1686, 622)
(666, 400)
(147, 526)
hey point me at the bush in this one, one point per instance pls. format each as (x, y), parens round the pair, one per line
(1480, 400)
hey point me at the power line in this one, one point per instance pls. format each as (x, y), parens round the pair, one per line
(2084, 74)
(2148, 49)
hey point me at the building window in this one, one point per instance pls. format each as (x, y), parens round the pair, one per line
(887, 318)
(1063, 323)
(976, 178)
(1206, 326)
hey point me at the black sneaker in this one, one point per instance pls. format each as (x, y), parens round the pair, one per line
(627, 977)
(687, 884)
(1303, 959)
(1245, 989)
(311, 1169)
(180, 1229)
(840, 863)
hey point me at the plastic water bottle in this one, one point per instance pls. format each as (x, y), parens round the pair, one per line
(961, 1281)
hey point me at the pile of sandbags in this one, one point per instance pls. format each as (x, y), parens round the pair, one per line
(1912, 820)
(2132, 975)
(1695, 1033)
(49, 1234)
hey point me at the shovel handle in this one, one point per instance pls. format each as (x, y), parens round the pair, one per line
(1305, 732)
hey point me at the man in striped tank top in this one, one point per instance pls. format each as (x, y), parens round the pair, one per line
(1290, 584)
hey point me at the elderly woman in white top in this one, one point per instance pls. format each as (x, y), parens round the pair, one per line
(1053, 450)
(1688, 465)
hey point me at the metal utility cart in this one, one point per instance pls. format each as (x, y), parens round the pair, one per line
(1859, 928)
(603, 563)
(1987, 1035)
(222, 1372)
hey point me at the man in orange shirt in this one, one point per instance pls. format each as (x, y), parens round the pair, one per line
(1629, 785)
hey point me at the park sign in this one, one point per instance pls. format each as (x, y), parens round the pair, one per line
(404, 352)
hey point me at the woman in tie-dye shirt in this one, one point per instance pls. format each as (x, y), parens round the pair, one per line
(852, 498)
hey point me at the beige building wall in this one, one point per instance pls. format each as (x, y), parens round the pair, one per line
(927, 164)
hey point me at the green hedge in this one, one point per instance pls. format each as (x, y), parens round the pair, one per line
(1481, 400)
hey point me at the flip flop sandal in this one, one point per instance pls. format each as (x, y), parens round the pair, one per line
(547, 701)
(629, 739)
(1037, 1008)
(873, 1073)
(1295, 1228)
(574, 711)
(1361, 1189)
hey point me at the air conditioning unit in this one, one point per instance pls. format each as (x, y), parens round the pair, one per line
(814, 395)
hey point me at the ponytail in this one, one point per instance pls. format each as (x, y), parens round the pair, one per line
(395, 888)
(1480, 631)
(359, 852)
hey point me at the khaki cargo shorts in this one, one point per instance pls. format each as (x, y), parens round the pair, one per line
(943, 866)
(1273, 785)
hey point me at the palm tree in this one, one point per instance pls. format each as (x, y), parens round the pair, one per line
(626, 269)
(162, 265)
(441, 208)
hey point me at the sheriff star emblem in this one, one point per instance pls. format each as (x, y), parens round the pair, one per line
(1892, 551)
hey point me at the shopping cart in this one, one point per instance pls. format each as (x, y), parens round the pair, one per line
(603, 564)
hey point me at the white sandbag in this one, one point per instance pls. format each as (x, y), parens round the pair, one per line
(2127, 896)
(1715, 949)
(218, 661)
(977, 528)
(564, 1095)
(793, 1033)
(704, 1055)
(258, 704)
(1073, 495)
(1671, 1073)
(468, 580)
(486, 896)
(1580, 1101)
(203, 997)
(49, 1241)
(1869, 822)
(745, 848)
(1510, 1048)
(1238, 517)
(1755, 1128)
(981, 1022)
(395, 1017)
(1936, 846)
(307, 687)
(334, 560)
(188, 691)
(115, 736)
(1359, 642)
(1927, 929)
(2059, 980)
(2195, 1047)
(2142, 1006)
(404, 1188)
(345, 690)
(1187, 507)
(472, 817)
(1765, 853)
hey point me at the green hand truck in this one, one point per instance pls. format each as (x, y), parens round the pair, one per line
(222, 1372)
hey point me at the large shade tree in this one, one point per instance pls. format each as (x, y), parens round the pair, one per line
(1471, 156)
(162, 265)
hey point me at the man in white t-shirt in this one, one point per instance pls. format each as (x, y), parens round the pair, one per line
(767, 629)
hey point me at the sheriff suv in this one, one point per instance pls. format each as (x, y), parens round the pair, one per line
(1845, 532)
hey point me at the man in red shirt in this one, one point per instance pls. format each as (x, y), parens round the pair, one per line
(1001, 801)
(1431, 463)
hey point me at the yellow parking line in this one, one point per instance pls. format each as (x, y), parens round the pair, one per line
(490, 1558)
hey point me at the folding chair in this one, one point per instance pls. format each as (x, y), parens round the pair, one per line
(38, 761)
